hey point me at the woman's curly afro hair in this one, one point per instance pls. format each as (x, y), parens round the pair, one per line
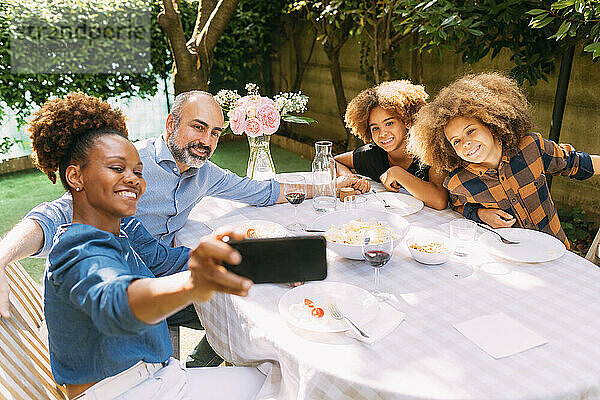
(401, 98)
(492, 98)
(63, 131)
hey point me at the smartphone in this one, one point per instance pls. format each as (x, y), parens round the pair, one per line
(281, 260)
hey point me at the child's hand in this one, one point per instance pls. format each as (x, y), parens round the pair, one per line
(496, 218)
(390, 179)
(566, 147)
(359, 184)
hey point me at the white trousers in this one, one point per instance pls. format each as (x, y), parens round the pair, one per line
(174, 382)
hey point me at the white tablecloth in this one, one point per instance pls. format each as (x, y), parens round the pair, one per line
(424, 357)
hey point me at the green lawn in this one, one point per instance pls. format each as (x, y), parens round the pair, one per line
(234, 156)
(21, 191)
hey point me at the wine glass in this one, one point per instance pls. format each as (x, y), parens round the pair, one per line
(377, 250)
(294, 189)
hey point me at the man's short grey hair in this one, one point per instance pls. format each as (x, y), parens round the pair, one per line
(180, 100)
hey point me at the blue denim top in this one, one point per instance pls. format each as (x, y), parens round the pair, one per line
(92, 332)
(170, 195)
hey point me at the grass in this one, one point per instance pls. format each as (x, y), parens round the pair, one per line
(21, 191)
(234, 156)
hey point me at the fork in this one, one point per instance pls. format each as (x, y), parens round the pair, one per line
(385, 204)
(502, 238)
(336, 314)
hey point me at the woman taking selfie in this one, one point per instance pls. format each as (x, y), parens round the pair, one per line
(108, 285)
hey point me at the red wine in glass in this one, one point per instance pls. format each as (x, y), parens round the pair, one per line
(377, 250)
(294, 189)
(377, 258)
(295, 198)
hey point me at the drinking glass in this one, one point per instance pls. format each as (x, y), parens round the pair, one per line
(354, 202)
(294, 189)
(377, 249)
(462, 232)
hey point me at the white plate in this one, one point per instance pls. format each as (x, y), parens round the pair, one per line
(354, 251)
(264, 229)
(534, 246)
(403, 204)
(356, 303)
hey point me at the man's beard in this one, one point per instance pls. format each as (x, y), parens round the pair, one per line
(184, 155)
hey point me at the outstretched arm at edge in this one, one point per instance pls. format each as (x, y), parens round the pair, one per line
(25, 239)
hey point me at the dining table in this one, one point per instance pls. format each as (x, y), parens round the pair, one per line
(425, 356)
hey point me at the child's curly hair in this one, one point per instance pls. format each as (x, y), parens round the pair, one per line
(63, 131)
(402, 98)
(492, 98)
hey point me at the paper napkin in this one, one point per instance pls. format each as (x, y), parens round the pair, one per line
(386, 320)
(499, 335)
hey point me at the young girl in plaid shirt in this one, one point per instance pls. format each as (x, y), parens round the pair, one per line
(479, 130)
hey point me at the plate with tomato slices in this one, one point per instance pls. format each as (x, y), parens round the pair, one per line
(306, 306)
(260, 229)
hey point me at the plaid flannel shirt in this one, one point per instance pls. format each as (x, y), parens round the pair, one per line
(519, 184)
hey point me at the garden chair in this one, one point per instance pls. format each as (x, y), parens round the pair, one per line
(25, 372)
(592, 253)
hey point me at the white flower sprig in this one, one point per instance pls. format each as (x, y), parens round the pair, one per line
(227, 98)
(291, 102)
(252, 89)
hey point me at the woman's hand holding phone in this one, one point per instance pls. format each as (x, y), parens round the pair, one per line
(207, 274)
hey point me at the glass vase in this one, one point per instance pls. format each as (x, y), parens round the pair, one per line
(260, 163)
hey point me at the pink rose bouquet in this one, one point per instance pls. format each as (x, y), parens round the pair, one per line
(256, 115)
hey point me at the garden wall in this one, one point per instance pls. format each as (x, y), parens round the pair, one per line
(581, 124)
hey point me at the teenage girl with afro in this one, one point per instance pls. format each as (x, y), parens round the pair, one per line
(381, 116)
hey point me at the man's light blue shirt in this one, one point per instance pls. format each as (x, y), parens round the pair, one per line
(170, 195)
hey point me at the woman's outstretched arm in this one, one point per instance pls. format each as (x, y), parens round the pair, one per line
(153, 299)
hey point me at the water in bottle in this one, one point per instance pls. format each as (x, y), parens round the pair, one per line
(323, 174)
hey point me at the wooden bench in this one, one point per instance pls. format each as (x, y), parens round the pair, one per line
(25, 372)
(594, 250)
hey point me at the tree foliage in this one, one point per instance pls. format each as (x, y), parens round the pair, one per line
(478, 28)
(6, 143)
(472, 28)
(579, 21)
(505, 26)
(22, 91)
(383, 26)
(332, 21)
(244, 51)
(241, 52)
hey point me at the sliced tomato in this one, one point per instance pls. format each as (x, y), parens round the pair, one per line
(309, 303)
(317, 312)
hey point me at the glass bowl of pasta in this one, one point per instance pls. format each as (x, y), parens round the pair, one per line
(429, 249)
(345, 230)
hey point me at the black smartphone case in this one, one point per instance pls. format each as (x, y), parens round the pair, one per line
(281, 260)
